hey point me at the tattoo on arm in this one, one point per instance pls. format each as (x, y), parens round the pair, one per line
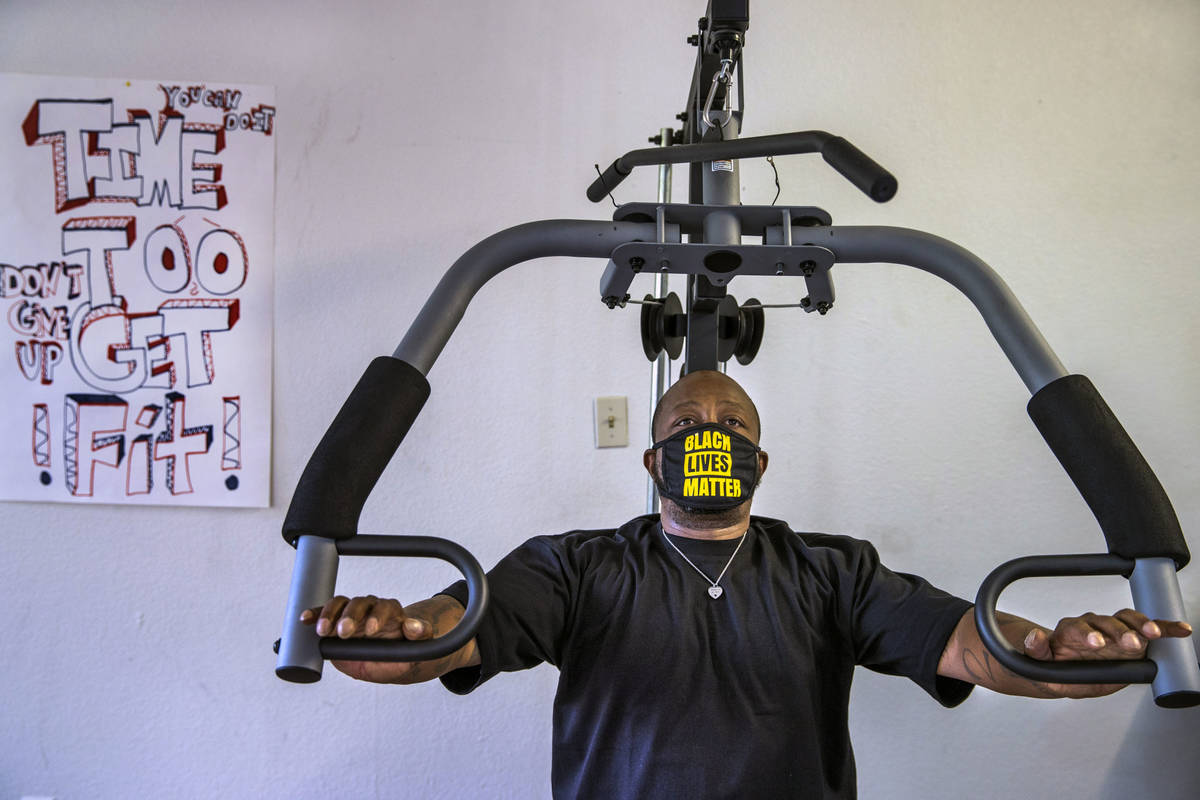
(979, 668)
(986, 671)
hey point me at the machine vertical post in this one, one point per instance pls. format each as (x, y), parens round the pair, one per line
(718, 187)
(660, 370)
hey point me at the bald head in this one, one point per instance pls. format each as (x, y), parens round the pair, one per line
(705, 396)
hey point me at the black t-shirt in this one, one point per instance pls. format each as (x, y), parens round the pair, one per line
(666, 692)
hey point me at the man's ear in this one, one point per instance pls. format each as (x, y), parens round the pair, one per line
(762, 463)
(648, 459)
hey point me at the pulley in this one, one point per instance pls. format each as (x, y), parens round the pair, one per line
(663, 326)
(750, 331)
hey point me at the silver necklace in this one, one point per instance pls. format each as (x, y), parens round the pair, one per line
(715, 590)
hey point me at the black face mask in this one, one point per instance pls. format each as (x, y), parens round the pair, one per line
(708, 468)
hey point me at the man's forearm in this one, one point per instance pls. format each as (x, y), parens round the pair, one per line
(1089, 637)
(967, 659)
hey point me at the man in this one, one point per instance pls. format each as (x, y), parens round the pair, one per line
(708, 653)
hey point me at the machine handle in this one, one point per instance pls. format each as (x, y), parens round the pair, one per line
(1139, 671)
(322, 523)
(302, 653)
(872, 179)
(401, 649)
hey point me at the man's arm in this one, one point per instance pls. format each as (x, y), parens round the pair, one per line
(1124, 635)
(372, 618)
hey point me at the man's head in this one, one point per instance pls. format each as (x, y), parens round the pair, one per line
(700, 398)
(706, 392)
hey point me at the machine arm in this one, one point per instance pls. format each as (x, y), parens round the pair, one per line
(1144, 538)
(322, 520)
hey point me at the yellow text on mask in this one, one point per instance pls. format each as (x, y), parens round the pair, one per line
(712, 487)
(707, 440)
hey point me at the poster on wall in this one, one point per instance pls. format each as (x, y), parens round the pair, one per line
(136, 275)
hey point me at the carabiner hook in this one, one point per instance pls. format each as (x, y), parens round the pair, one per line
(725, 76)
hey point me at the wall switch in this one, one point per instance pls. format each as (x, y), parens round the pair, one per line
(612, 422)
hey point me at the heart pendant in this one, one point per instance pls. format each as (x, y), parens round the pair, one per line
(715, 591)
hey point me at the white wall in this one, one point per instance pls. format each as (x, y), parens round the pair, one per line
(1056, 140)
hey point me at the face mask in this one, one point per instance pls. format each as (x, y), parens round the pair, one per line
(708, 468)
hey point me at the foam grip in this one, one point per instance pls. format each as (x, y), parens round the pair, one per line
(604, 184)
(858, 168)
(355, 450)
(1116, 482)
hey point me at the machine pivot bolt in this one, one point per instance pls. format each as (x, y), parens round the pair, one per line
(612, 301)
(805, 302)
(682, 116)
(664, 265)
(778, 267)
(636, 263)
(694, 40)
(823, 307)
(807, 267)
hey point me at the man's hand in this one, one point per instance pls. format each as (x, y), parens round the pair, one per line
(373, 618)
(1123, 636)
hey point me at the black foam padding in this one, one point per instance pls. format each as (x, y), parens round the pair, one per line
(1116, 482)
(355, 450)
(860, 169)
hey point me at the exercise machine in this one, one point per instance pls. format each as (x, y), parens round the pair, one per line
(703, 240)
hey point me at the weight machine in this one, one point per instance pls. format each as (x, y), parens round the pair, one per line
(703, 239)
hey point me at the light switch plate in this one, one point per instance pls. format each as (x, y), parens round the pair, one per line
(611, 422)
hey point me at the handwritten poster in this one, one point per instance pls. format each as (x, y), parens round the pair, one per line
(136, 272)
